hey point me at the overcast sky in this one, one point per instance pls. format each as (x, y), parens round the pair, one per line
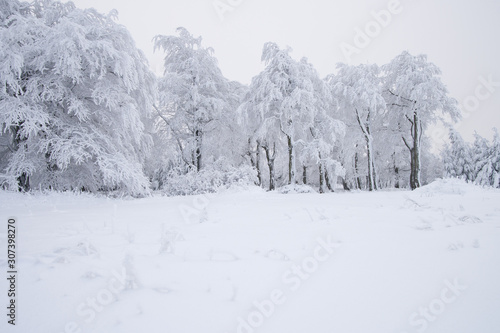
(460, 36)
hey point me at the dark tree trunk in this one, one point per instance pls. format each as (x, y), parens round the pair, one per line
(271, 155)
(370, 169)
(327, 181)
(345, 185)
(304, 175)
(365, 128)
(415, 169)
(358, 180)
(257, 164)
(198, 138)
(396, 171)
(250, 153)
(375, 177)
(291, 162)
(416, 153)
(23, 182)
(255, 161)
(416, 133)
(321, 179)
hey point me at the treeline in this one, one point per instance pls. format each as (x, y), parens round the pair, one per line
(81, 110)
(477, 162)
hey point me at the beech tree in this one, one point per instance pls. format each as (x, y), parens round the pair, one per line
(262, 126)
(75, 97)
(359, 92)
(393, 164)
(291, 99)
(416, 97)
(324, 131)
(193, 93)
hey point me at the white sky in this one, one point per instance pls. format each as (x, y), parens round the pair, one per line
(460, 36)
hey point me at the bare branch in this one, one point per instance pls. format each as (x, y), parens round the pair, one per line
(403, 98)
(409, 119)
(406, 143)
(161, 116)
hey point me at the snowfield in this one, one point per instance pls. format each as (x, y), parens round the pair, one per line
(253, 261)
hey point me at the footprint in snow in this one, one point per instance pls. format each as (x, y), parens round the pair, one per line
(459, 245)
(84, 248)
(468, 219)
(455, 246)
(277, 255)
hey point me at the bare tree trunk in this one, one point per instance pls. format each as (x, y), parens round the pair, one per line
(304, 175)
(321, 176)
(375, 177)
(365, 128)
(327, 181)
(198, 139)
(291, 162)
(416, 134)
(23, 182)
(416, 152)
(250, 153)
(271, 155)
(357, 179)
(257, 164)
(396, 171)
(371, 186)
(345, 185)
(321, 179)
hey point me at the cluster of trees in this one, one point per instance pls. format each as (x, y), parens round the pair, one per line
(81, 110)
(75, 100)
(477, 162)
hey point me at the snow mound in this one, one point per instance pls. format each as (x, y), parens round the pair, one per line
(290, 189)
(449, 186)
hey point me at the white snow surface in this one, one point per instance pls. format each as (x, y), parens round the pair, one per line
(254, 261)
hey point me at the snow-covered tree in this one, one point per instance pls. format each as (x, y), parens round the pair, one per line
(324, 132)
(415, 98)
(74, 99)
(393, 165)
(359, 92)
(193, 94)
(481, 160)
(485, 158)
(478, 162)
(261, 126)
(457, 158)
(495, 158)
(286, 108)
(290, 99)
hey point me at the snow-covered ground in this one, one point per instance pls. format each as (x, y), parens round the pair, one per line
(251, 261)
